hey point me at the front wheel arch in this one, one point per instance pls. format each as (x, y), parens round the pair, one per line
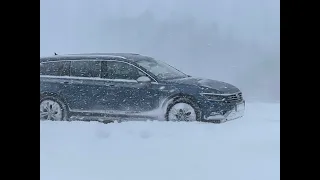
(172, 100)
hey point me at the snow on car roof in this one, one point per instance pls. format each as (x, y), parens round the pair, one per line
(88, 56)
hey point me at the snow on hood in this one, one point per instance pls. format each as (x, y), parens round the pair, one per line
(220, 86)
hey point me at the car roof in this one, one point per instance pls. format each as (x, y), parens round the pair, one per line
(129, 57)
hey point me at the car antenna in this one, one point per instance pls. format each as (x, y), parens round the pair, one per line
(55, 53)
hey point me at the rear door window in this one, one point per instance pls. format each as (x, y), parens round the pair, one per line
(85, 68)
(58, 68)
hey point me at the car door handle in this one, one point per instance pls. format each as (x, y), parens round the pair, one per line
(65, 82)
(110, 85)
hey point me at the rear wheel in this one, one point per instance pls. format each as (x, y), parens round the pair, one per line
(183, 109)
(52, 109)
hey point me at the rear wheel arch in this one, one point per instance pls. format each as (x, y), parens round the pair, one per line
(54, 95)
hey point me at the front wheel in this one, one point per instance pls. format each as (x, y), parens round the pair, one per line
(183, 109)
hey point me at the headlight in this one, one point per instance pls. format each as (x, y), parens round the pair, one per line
(213, 97)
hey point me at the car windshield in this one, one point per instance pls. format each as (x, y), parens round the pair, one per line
(160, 69)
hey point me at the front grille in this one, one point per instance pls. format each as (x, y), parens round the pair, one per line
(234, 98)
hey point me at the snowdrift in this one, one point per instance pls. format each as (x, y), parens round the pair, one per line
(243, 149)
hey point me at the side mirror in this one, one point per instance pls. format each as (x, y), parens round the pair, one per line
(144, 79)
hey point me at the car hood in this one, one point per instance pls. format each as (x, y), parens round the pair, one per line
(220, 86)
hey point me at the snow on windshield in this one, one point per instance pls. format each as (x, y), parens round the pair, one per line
(161, 69)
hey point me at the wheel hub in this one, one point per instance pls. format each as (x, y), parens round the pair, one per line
(183, 115)
(182, 112)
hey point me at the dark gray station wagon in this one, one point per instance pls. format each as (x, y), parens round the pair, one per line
(123, 85)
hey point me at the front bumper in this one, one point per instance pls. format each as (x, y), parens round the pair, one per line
(235, 113)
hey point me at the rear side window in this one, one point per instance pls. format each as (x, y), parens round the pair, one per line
(61, 68)
(85, 68)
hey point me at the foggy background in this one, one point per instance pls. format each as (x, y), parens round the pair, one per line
(229, 40)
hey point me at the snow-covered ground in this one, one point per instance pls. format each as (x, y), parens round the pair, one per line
(243, 149)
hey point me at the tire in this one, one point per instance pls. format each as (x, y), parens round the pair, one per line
(193, 113)
(52, 108)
